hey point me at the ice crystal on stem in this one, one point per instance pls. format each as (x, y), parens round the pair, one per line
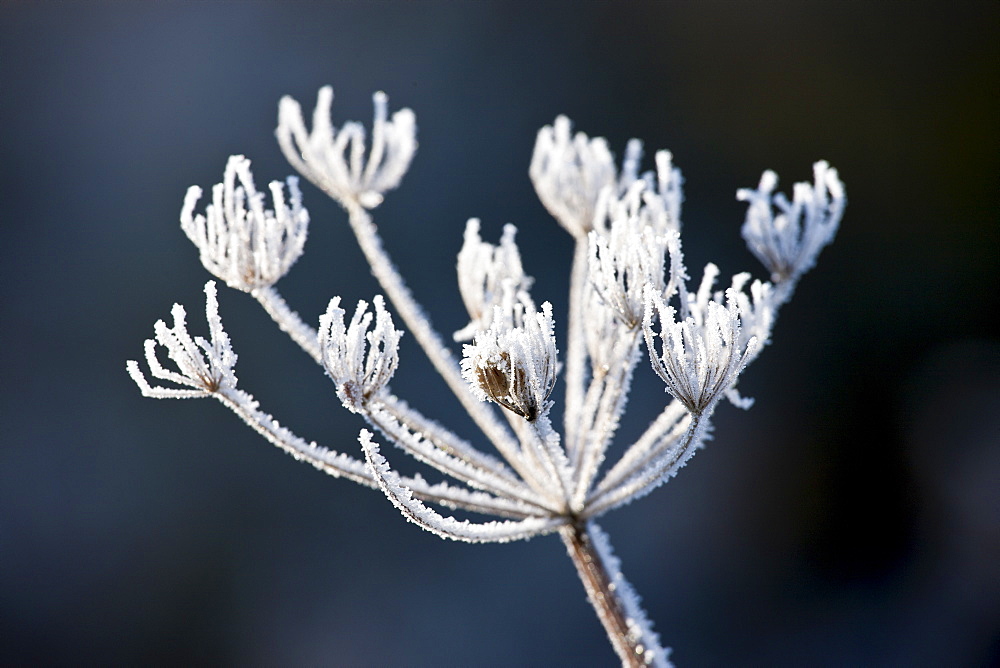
(628, 292)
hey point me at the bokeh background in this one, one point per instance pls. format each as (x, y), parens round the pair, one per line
(852, 517)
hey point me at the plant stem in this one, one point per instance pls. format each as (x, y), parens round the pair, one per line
(419, 325)
(602, 592)
(289, 321)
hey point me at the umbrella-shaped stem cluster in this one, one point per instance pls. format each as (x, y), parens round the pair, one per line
(629, 293)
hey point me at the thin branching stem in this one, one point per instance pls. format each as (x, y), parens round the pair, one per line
(576, 348)
(649, 477)
(289, 321)
(419, 325)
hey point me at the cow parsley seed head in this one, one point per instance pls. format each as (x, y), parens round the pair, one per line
(514, 366)
(335, 160)
(788, 243)
(701, 354)
(360, 362)
(203, 366)
(240, 241)
(628, 248)
(570, 172)
(490, 276)
(627, 268)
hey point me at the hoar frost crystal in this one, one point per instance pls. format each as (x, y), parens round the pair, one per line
(628, 291)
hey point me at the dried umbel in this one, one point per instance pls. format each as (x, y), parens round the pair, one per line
(240, 241)
(515, 366)
(629, 293)
(490, 276)
(359, 361)
(334, 160)
(788, 243)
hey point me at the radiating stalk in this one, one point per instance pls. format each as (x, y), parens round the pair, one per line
(576, 348)
(289, 321)
(419, 325)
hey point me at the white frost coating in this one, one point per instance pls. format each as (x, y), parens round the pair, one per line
(335, 161)
(360, 362)
(204, 366)
(628, 249)
(442, 438)
(662, 434)
(670, 186)
(671, 455)
(639, 625)
(628, 267)
(514, 366)
(447, 527)
(240, 241)
(701, 354)
(470, 472)
(569, 173)
(490, 276)
(332, 462)
(788, 243)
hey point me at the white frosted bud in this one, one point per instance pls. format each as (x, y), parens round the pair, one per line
(335, 160)
(515, 367)
(361, 361)
(240, 241)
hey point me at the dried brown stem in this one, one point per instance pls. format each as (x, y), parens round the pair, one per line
(601, 594)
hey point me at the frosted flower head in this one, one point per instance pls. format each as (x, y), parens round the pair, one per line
(515, 367)
(570, 172)
(335, 160)
(240, 241)
(702, 355)
(788, 243)
(490, 276)
(628, 250)
(360, 362)
(203, 366)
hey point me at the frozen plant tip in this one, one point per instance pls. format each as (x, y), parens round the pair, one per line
(515, 366)
(571, 171)
(788, 243)
(240, 241)
(359, 376)
(702, 356)
(629, 294)
(335, 160)
(203, 366)
(490, 276)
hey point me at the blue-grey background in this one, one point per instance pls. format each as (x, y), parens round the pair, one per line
(852, 517)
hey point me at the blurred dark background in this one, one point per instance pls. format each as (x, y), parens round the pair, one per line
(852, 517)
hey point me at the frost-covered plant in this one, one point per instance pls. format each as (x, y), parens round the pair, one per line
(628, 287)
